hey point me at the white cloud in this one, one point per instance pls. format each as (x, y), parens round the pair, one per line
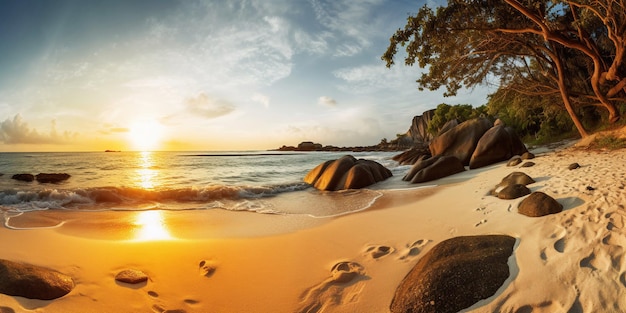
(262, 99)
(353, 23)
(16, 131)
(327, 101)
(208, 107)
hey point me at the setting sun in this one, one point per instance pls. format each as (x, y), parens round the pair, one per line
(145, 135)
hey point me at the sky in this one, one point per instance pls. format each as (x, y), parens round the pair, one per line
(205, 75)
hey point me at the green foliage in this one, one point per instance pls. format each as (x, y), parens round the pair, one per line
(460, 112)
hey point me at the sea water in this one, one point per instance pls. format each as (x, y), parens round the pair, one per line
(265, 182)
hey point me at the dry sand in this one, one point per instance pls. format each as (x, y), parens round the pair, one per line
(567, 262)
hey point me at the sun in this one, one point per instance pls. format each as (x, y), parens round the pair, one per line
(145, 135)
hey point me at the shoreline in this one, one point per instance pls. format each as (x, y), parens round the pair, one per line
(560, 260)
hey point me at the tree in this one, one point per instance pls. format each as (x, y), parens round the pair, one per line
(528, 46)
(445, 113)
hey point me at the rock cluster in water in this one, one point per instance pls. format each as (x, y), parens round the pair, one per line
(42, 177)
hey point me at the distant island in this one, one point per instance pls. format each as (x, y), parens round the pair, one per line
(311, 146)
(107, 150)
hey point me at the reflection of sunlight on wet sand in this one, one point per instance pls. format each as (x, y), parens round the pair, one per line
(147, 175)
(151, 226)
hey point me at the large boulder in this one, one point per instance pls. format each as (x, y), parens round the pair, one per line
(539, 204)
(434, 168)
(51, 177)
(346, 173)
(498, 144)
(409, 157)
(455, 274)
(461, 140)
(33, 282)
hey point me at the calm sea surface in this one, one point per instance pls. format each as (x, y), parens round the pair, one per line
(264, 182)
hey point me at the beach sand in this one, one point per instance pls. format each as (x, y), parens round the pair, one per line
(217, 261)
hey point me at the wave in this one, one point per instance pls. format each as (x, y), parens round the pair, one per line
(132, 198)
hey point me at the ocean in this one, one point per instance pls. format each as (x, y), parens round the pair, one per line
(265, 182)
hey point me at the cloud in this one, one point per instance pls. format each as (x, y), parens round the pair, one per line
(353, 21)
(262, 99)
(16, 131)
(327, 101)
(208, 107)
(111, 129)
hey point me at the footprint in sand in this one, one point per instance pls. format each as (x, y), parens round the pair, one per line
(376, 252)
(413, 249)
(207, 268)
(480, 223)
(343, 286)
(159, 309)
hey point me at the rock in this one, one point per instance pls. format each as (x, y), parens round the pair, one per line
(515, 178)
(131, 276)
(24, 177)
(418, 130)
(455, 274)
(461, 140)
(51, 177)
(448, 126)
(346, 173)
(527, 155)
(33, 282)
(528, 164)
(434, 168)
(514, 161)
(589, 188)
(498, 122)
(513, 192)
(498, 144)
(409, 157)
(539, 204)
(573, 166)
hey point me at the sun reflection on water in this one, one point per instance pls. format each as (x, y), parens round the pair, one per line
(147, 174)
(151, 226)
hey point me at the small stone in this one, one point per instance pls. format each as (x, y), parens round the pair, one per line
(131, 276)
(528, 164)
(590, 188)
(573, 166)
(539, 204)
(513, 192)
(527, 156)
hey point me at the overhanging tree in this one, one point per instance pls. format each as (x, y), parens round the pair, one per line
(529, 46)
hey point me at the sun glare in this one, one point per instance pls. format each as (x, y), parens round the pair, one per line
(151, 226)
(145, 135)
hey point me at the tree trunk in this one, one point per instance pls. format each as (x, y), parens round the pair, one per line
(565, 94)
